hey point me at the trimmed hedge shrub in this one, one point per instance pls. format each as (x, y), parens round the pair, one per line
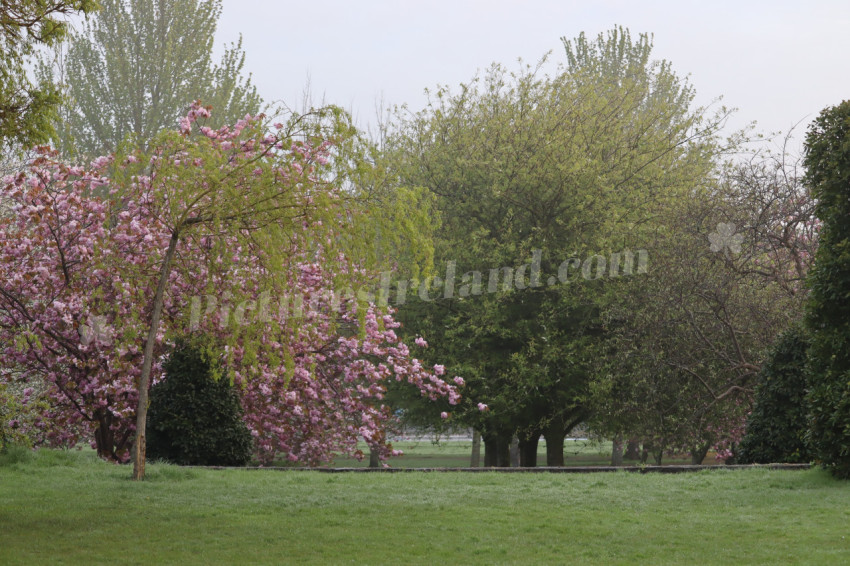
(193, 418)
(776, 428)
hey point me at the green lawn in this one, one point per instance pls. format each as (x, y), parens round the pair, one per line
(426, 453)
(69, 508)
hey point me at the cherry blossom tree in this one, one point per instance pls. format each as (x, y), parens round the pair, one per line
(95, 288)
(58, 298)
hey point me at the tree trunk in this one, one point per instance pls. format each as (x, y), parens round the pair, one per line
(475, 460)
(617, 451)
(646, 448)
(490, 451)
(632, 449)
(555, 435)
(513, 452)
(496, 451)
(374, 460)
(104, 437)
(528, 450)
(139, 445)
(503, 454)
(699, 453)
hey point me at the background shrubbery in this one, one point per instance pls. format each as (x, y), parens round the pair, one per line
(777, 426)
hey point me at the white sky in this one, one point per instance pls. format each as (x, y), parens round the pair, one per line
(777, 62)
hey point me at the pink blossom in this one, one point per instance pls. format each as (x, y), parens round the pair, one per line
(309, 389)
(101, 162)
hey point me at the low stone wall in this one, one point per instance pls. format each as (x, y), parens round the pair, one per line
(539, 469)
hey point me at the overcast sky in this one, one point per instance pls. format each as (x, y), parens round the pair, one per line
(778, 62)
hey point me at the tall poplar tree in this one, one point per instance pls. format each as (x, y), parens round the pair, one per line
(26, 109)
(135, 68)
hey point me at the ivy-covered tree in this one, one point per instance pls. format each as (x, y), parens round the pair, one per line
(136, 67)
(27, 109)
(827, 161)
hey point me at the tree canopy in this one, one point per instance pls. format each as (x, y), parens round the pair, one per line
(566, 172)
(94, 289)
(134, 69)
(27, 109)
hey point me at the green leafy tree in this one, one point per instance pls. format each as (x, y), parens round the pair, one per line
(27, 109)
(690, 337)
(827, 160)
(573, 164)
(136, 67)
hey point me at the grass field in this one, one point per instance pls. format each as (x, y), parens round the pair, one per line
(425, 453)
(68, 508)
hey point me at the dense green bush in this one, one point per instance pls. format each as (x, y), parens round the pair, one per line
(827, 162)
(195, 419)
(776, 428)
